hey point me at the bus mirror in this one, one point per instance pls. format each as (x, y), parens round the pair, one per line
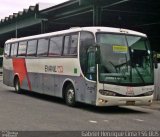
(97, 48)
(94, 51)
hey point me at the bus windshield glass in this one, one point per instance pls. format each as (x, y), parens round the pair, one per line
(125, 59)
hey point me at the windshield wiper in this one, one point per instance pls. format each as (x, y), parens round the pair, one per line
(139, 74)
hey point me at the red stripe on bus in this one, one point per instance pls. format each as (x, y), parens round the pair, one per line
(19, 67)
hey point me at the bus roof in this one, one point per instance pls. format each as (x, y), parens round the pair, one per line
(76, 29)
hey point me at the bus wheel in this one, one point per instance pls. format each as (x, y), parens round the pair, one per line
(17, 85)
(70, 95)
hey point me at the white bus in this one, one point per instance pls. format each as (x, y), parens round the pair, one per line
(100, 66)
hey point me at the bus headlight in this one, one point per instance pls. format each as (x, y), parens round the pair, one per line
(148, 93)
(107, 93)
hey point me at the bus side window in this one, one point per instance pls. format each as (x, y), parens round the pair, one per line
(14, 48)
(66, 45)
(7, 50)
(55, 46)
(22, 48)
(43, 47)
(31, 48)
(70, 45)
(74, 44)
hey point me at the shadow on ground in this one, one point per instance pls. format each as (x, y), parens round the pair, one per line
(84, 107)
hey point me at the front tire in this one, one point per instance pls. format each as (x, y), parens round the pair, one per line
(17, 86)
(70, 95)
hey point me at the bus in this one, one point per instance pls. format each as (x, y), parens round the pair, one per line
(101, 66)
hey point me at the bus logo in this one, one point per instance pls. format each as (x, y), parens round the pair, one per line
(58, 69)
(130, 91)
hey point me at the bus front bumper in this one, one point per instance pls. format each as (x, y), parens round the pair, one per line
(124, 101)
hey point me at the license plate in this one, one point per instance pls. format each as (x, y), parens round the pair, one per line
(130, 103)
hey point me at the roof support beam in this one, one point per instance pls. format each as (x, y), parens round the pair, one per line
(116, 3)
(97, 14)
(44, 25)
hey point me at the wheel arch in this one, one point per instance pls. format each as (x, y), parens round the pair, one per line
(65, 84)
(16, 75)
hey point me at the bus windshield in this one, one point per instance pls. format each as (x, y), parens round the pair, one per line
(125, 59)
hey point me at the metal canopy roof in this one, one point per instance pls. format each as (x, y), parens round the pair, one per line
(139, 15)
(32, 9)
